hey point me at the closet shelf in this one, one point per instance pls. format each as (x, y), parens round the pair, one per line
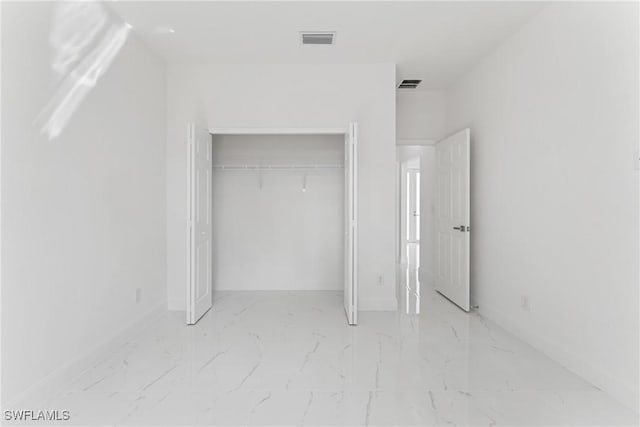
(276, 167)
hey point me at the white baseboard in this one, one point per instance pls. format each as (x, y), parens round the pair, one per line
(364, 304)
(624, 393)
(57, 380)
(243, 288)
(176, 305)
(426, 277)
(377, 304)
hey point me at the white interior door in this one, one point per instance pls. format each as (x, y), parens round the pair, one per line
(453, 218)
(351, 224)
(199, 297)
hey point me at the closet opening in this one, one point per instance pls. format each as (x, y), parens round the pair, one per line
(272, 211)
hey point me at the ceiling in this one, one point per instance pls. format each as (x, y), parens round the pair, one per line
(432, 41)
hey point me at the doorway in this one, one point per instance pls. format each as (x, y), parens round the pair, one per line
(433, 227)
(415, 180)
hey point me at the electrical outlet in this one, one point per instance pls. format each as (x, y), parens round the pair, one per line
(524, 303)
(138, 295)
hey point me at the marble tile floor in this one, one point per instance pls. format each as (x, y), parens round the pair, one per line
(289, 358)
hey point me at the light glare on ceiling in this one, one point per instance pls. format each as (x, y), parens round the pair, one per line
(164, 30)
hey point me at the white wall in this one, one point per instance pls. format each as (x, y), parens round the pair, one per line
(420, 115)
(269, 234)
(553, 114)
(83, 216)
(427, 214)
(309, 96)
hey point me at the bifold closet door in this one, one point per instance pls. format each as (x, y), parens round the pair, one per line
(351, 224)
(200, 168)
(453, 218)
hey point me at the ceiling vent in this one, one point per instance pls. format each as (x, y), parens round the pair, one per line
(409, 84)
(318, 38)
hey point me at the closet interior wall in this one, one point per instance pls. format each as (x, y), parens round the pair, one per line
(278, 212)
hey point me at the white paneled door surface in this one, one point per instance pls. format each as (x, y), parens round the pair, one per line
(351, 224)
(199, 298)
(453, 218)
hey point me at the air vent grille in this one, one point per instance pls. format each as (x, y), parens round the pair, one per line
(318, 38)
(409, 84)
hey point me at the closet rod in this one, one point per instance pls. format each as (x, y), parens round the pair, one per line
(275, 167)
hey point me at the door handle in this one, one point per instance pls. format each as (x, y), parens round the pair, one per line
(461, 228)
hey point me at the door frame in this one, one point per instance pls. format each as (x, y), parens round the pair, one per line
(252, 131)
(277, 131)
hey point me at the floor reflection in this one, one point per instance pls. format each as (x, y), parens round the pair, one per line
(411, 279)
